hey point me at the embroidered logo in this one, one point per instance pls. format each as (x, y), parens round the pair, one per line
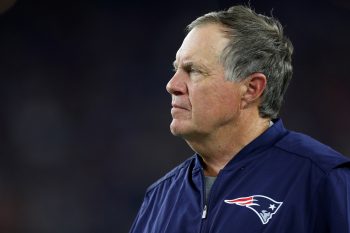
(263, 206)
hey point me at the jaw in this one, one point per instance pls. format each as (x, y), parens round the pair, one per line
(180, 127)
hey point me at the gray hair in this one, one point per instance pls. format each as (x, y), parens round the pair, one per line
(256, 44)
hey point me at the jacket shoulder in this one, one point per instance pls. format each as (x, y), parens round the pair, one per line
(178, 170)
(309, 148)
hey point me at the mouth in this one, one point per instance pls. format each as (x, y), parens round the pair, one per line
(178, 106)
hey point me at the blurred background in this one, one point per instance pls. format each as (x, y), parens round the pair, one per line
(84, 123)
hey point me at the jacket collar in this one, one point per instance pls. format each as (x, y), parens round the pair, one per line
(259, 144)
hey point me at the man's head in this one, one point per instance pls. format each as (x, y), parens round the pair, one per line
(256, 44)
(232, 65)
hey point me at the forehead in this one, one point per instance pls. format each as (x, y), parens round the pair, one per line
(203, 43)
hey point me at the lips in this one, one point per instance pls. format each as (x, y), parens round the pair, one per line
(178, 106)
(178, 102)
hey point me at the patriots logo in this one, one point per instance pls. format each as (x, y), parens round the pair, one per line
(263, 206)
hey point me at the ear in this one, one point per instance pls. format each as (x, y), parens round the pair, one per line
(255, 85)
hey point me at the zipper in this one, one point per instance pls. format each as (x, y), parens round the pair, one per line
(204, 213)
(204, 204)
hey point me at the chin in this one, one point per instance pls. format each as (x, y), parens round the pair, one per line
(177, 128)
(175, 131)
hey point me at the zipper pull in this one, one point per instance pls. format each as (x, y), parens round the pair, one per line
(204, 214)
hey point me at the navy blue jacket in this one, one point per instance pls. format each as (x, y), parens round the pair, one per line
(281, 182)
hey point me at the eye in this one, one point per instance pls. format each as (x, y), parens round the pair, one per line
(191, 70)
(195, 71)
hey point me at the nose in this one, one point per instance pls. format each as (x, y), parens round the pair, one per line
(177, 84)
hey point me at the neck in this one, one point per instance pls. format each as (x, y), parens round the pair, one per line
(218, 148)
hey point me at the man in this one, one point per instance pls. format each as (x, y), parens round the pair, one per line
(249, 173)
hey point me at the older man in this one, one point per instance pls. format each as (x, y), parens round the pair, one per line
(249, 173)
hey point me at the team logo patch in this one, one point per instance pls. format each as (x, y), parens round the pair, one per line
(263, 206)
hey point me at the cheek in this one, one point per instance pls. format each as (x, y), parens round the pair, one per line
(209, 103)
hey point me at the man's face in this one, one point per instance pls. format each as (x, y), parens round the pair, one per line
(203, 102)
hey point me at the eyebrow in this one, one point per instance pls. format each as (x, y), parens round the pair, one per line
(190, 64)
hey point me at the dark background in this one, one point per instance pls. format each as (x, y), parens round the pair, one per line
(85, 115)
